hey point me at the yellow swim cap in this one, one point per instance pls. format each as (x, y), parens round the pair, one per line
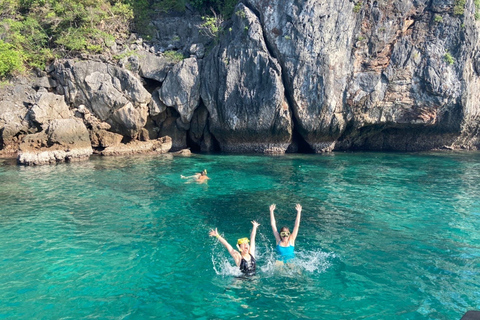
(243, 240)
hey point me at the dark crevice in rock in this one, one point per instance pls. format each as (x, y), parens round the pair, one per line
(194, 142)
(192, 145)
(451, 119)
(298, 142)
(2, 140)
(126, 139)
(98, 150)
(150, 85)
(215, 145)
(199, 137)
(299, 145)
(33, 124)
(270, 47)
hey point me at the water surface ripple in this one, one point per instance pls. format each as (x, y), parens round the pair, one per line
(383, 236)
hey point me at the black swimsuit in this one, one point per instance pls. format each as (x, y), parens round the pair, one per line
(248, 267)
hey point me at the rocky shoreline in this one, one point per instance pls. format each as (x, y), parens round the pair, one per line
(310, 77)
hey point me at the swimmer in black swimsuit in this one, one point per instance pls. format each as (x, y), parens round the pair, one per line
(245, 256)
(248, 267)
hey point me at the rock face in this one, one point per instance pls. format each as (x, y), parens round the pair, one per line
(159, 146)
(63, 140)
(280, 76)
(243, 90)
(48, 107)
(373, 74)
(410, 80)
(14, 123)
(154, 67)
(313, 42)
(112, 94)
(181, 89)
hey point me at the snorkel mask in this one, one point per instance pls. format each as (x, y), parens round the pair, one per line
(242, 241)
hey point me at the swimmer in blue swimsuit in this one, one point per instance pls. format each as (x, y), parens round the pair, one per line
(245, 256)
(285, 239)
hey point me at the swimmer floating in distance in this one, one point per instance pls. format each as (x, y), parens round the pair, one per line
(285, 239)
(199, 177)
(245, 256)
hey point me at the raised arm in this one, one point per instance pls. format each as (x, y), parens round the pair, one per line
(273, 223)
(298, 207)
(252, 237)
(234, 253)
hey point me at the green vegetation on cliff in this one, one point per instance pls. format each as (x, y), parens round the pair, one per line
(36, 31)
(33, 32)
(10, 59)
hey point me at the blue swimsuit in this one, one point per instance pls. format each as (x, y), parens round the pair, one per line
(286, 253)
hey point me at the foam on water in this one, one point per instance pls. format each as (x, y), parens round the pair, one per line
(223, 267)
(309, 261)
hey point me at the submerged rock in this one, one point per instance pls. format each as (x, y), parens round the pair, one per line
(159, 146)
(183, 152)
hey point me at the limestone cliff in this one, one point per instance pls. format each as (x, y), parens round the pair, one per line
(281, 76)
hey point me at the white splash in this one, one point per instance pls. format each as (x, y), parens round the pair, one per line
(311, 261)
(222, 266)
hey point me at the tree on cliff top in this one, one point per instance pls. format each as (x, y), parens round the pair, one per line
(41, 30)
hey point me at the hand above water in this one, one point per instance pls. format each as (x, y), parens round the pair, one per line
(213, 233)
(273, 207)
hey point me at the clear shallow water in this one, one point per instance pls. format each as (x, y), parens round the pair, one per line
(383, 236)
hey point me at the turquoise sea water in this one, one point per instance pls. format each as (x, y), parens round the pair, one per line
(382, 236)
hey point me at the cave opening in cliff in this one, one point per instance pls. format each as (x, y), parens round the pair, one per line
(299, 144)
(192, 145)
(202, 145)
(199, 137)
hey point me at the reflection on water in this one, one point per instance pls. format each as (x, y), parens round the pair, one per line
(383, 236)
